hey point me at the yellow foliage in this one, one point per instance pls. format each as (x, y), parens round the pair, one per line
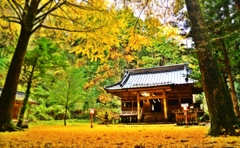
(5, 25)
(136, 41)
(170, 32)
(103, 36)
(103, 98)
(129, 58)
(94, 27)
(115, 135)
(90, 84)
(115, 55)
(89, 28)
(103, 68)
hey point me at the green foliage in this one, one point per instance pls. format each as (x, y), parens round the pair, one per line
(45, 57)
(223, 22)
(3, 62)
(112, 108)
(162, 52)
(199, 98)
(40, 112)
(67, 92)
(5, 57)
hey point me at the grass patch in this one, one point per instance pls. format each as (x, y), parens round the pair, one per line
(70, 122)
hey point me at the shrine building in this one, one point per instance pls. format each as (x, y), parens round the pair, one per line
(157, 94)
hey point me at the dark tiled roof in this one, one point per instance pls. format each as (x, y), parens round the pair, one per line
(20, 96)
(156, 76)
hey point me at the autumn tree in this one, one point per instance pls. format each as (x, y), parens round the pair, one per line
(219, 101)
(61, 15)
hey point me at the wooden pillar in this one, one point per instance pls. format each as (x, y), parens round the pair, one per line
(138, 108)
(165, 106)
(179, 97)
(132, 104)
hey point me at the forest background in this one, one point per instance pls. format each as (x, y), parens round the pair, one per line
(66, 71)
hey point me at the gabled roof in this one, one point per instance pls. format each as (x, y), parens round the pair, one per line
(20, 96)
(156, 76)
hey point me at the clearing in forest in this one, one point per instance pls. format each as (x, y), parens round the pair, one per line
(124, 136)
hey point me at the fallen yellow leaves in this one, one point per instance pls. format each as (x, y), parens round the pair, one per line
(119, 136)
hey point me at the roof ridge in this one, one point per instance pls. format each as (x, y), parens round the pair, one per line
(158, 68)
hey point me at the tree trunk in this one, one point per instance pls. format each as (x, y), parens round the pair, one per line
(7, 98)
(65, 115)
(233, 95)
(237, 2)
(230, 79)
(218, 98)
(25, 101)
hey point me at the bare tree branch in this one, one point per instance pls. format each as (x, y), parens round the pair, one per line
(67, 14)
(89, 8)
(57, 16)
(135, 26)
(44, 6)
(43, 16)
(40, 19)
(69, 30)
(11, 19)
(18, 8)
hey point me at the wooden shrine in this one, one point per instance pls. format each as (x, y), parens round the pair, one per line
(156, 94)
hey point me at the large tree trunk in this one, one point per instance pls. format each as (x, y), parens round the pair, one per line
(7, 98)
(10, 87)
(218, 98)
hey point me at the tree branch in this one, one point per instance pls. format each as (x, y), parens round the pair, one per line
(44, 6)
(135, 25)
(57, 16)
(42, 17)
(17, 10)
(91, 8)
(223, 37)
(11, 19)
(69, 30)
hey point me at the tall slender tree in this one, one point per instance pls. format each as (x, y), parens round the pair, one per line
(224, 37)
(44, 57)
(219, 102)
(68, 90)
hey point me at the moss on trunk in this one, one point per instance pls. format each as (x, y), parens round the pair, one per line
(6, 123)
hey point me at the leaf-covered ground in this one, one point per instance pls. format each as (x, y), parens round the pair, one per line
(115, 136)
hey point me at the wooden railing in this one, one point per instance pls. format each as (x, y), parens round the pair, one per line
(127, 113)
(130, 116)
(192, 118)
(132, 112)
